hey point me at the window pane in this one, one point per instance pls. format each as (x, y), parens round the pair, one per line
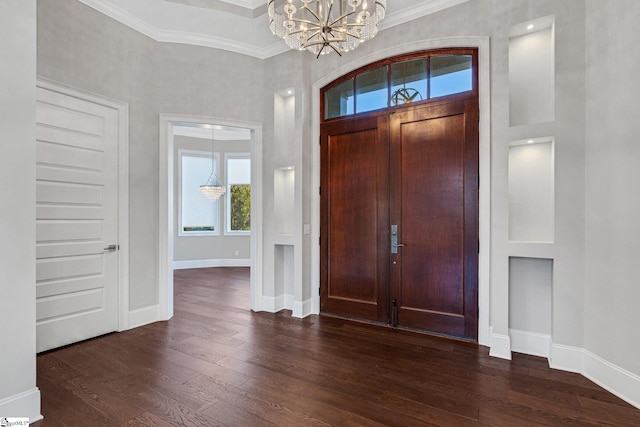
(408, 81)
(240, 216)
(338, 101)
(371, 90)
(450, 74)
(239, 190)
(239, 171)
(198, 213)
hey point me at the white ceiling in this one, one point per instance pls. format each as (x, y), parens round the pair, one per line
(235, 25)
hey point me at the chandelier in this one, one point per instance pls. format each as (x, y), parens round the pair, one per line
(213, 188)
(322, 26)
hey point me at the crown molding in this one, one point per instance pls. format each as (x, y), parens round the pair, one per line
(260, 52)
(427, 8)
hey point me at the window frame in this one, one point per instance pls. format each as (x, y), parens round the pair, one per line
(216, 161)
(227, 209)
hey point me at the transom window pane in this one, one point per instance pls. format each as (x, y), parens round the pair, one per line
(338, 101)
(371, 90)
(408, 81)
(450, 74)
(405, 79)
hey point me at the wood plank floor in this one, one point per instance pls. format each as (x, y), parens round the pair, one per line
(217, 363)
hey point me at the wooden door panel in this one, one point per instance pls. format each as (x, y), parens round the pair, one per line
(434, 203)
(354, 204)
(432, 215)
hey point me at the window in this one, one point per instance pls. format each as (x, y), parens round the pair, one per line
(197, 215)
(405, 79)
(238, 215)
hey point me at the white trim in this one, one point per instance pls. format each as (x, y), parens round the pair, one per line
(619, 381)
(417, 11)
(207, 263)
(264, 51)
(484, 89)
(500, 346)
(273, 304)
(165, 206)
(566, 358)
(143, 316)
(301, 309)
(531, 343)
(122, 109)
(25, 404)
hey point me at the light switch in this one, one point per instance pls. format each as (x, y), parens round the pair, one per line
(306, 228)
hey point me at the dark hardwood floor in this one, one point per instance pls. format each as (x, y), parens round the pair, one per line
(217, 363)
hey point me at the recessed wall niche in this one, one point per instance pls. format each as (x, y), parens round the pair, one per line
(284, 180)
(530, 304)
(531, 190)
(532, 72)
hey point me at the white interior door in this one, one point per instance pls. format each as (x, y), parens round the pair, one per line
(76, 219)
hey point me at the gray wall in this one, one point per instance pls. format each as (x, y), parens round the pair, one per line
(17, 209)
(612, 285)
(80, 47)
(222, 247)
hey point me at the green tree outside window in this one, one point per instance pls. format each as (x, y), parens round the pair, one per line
(240, 207)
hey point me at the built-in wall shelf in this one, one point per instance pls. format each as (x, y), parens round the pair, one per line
(532, 72)
(531, 190)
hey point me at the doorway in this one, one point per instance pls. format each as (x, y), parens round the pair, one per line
(166, 209)
(399, 214)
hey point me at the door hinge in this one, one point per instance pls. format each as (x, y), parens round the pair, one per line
(320, 241)
(478, 246)
(320, 190)
(319, 291)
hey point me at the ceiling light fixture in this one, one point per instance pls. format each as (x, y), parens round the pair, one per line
(213, 189)
(323, 26)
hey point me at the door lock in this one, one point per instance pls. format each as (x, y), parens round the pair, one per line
(394, 239)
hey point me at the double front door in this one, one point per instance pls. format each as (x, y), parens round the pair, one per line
(399, 218)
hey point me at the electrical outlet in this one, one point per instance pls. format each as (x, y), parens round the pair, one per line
(237, 252)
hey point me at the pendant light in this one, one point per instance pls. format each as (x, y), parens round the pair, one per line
(213, 189)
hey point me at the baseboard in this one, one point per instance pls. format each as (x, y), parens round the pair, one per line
(616, 380)
(21, 405)
(566, 358)
(619, 381)
(500, 346)
(143, 316)
(301, 309)
(531, 343)
(206, 263)
(273, 304)
(288, 302)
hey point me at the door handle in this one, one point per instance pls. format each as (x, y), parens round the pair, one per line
(112, 248)
(394, 239)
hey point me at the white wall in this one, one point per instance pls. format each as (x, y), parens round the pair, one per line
(19, 396)
(209, 250)
(612, 285)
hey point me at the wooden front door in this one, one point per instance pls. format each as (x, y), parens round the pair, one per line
(409, 178)
(434, 203)
(354, 217)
